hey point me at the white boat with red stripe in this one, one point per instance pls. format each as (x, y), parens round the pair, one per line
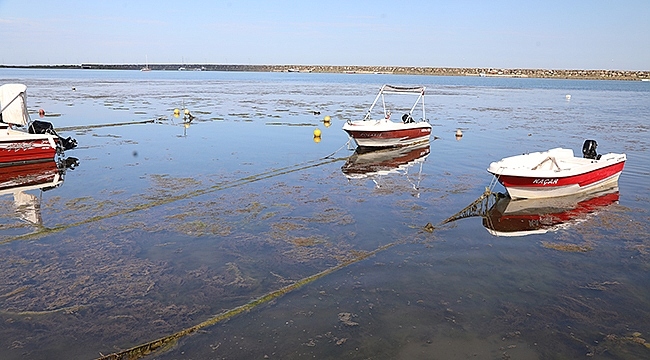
(40, 142)
(557, 172)
(385, 132)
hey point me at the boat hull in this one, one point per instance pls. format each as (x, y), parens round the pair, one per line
(13, 151)
(556, 173)
(378, 134)
(537, 188)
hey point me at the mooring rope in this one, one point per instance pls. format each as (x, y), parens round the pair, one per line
(337, 150)
(221, 186)
(83, 127)
(167, 342)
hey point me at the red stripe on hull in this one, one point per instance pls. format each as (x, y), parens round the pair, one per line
(392, 134)
(582, 180)
(26, 150)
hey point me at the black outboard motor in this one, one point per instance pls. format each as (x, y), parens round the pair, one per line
(589, 150)
(406, 118)
(41, 127)
(44, 127)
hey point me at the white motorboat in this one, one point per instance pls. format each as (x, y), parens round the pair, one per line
(39, 143)
(385, 132)
(557, 172)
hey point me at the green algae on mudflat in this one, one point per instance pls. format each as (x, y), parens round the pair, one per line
(566, 247)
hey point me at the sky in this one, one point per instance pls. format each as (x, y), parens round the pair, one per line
(550, 34)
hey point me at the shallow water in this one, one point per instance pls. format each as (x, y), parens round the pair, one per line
(161, 227)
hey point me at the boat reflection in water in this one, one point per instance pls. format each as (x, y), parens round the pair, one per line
(18, 180)
(375, 163)
(509, 217)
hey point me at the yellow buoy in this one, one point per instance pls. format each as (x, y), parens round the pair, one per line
(459, 133)
(317, 133)
(187, 111)
(327, 118)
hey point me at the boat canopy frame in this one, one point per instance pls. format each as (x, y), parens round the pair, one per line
(401, 90)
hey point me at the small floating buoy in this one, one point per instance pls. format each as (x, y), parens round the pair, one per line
(41, 112)
(568, 97)
(187, 111)
(317, 133)
(74, 89)
(327, 121)
(459, 133)
(177, 113)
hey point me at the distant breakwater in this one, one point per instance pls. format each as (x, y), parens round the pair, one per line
(402, 70)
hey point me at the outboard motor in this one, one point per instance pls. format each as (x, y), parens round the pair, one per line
(44, 127)
(41, 127)
(589, 150)
(406, 118)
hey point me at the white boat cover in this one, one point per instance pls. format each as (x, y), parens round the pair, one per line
(13, 103)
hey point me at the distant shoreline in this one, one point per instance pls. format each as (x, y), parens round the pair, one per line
(402, 70)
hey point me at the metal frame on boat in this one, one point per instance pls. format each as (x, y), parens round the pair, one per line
(385, 132)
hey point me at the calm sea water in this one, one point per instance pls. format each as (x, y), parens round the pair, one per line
(162, 226)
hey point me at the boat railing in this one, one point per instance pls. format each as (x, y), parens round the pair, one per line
(390, 89)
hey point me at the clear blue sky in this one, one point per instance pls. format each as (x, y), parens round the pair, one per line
(570, 34)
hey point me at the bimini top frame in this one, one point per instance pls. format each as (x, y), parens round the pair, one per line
(390, 89)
